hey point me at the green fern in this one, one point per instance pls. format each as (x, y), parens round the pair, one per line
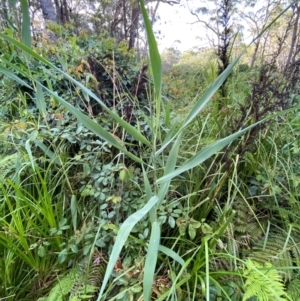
(8, 165)
(81, 283)
(85, 292)
(245, 224)
(294, 289)
(263, 282)
(280, 253)
(62, 288)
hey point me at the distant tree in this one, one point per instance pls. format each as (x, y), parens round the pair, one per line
(218, 17)
(120, 19)
(170, 57)
(10, 15)
(258, 15)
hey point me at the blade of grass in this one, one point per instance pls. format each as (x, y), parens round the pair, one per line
(156, 68)
(207, 291)
(47, 151)
(171, 253)
(149, 194)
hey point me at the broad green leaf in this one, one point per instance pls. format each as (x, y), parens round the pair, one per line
(62, 256)
(151, 259)
(41, 251)
(121, 239)
(192, 231)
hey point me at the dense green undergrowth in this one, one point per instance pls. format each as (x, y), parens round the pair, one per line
(225, 228)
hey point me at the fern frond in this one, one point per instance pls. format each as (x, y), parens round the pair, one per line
(85, 292)
(278, 252)
(263, 282)
(62, 288)
(89, 278)
(81, 283)
(294, 289)
(8, 165)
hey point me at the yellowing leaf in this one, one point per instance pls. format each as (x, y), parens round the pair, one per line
(79, 69)
(114, 199)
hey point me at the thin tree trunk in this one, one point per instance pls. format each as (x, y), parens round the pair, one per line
(135, 13)
(65, 12)
(294, 39)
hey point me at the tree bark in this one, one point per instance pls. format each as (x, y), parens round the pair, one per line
(48, 10)
(290, 58)
(135, 13)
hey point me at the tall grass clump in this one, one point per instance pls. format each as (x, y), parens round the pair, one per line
(168, 164)
(33, 208)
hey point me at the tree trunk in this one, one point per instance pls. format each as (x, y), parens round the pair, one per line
(63, 16)
(290, 58)
(135, 13)
(48, 10)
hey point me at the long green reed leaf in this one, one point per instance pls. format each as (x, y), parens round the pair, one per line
(153, 51)
(149, 194)
(213, 88)
(95, 127)
(169, 169)
(26, 31)
(129, 128)
(14, 77)
(204, 154)
(151, 259)
(84, 119)
(40, 100)
(121, 239)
